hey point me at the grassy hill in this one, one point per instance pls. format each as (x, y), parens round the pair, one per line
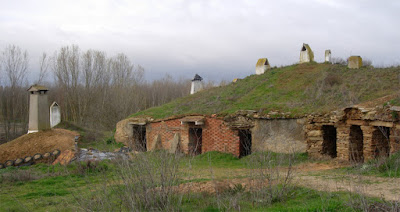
(299, 89)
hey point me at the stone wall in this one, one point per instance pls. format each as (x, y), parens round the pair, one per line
(362, 134)
(218, 134)
(279, 135)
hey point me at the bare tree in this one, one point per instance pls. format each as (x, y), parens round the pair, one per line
(14, 102)
(15, 64)
(44, 66)
(66, 70)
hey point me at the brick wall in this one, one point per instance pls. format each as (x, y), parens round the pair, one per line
(216, 135)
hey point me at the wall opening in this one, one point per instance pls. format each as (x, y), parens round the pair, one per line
(303, 49)
(195, 140)
(329, 144)
(245, 142)
(380, 142)
(139, 138)
(356, 144)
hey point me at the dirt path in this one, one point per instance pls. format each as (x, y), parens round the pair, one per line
(316, 177)
(387, 188)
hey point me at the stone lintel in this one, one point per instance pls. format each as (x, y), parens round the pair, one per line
(381, 123)
(357, 122)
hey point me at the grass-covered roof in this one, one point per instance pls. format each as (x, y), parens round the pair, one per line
(298, 89)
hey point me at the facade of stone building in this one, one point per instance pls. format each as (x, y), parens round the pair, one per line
(239, 135)
(356, 133)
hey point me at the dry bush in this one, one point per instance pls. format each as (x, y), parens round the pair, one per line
(338, 60)
(144, 183)
(272, 183)
(366, 62)
(332, 79)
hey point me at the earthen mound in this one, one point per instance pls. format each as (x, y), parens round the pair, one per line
(40, 142)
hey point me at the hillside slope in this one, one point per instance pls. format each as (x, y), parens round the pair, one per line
(298, 89)
(40, 142)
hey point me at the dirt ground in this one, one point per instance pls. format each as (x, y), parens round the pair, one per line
(40, 142)
(322, 177)
(318, 176)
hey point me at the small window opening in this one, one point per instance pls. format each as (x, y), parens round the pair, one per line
(329, 146)
(380, 142)
(195, 140)
(139, 138)
(245, 142)
(304, 49)
(356, 144)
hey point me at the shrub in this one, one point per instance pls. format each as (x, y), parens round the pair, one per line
(144, 183)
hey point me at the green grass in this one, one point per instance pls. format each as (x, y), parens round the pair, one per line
(60, 188)
(225, 160)
(382, 167)
(54, 188)
(100, 140)
(301, 199)
(299, 89)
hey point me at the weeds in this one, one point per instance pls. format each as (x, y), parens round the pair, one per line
(19, 175)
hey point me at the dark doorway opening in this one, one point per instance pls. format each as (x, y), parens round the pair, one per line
(245, 143)
(329, 144)
(139, 138)
(356, 144)
(195, 140)
(380, 142)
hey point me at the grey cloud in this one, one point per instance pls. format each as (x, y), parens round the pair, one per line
(217, 39)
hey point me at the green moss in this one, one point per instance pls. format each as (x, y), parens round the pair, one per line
(310, 52)
(261, 62)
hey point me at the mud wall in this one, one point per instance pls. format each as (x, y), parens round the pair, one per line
(279, 135)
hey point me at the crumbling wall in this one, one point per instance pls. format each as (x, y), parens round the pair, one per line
(279, 135)
(216, 135)
(376, 128)
(167, 130)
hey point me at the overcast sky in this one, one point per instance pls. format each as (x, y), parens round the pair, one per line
(216, 39)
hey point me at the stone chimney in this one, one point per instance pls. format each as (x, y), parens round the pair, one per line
(354, 62)
(306, 54)
(39, 114)
(262, 66)
(327, 56)
(197, 85)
